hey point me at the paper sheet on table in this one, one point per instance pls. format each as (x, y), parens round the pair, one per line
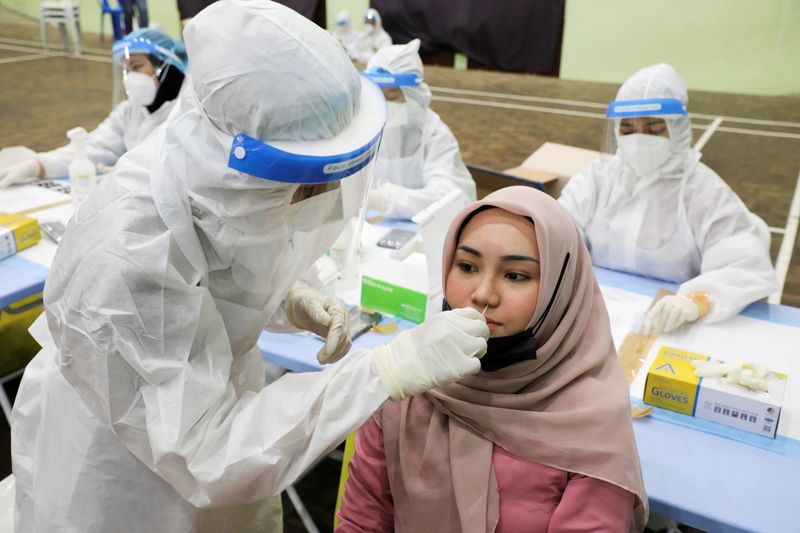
(624, 308)
(20, 198)
(743, 339)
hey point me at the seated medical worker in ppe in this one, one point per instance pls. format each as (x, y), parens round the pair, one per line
(652, 208)
(372, 37)
(419, 160)
(154, 65)
(146, 408)
(345, 33)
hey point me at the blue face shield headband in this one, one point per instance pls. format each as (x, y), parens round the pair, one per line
(384, 78)
(654, 107)
(324, 161)
(142, 45)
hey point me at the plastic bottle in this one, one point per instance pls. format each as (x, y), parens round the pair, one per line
(82, 178)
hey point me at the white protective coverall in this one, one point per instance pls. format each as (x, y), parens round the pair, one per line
(419, 160)
(125, 127)
(680, 222)
(372, 37)
(146, 409)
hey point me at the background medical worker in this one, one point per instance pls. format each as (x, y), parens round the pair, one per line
(345, 33)
(419, 160)
(654, 209)
(372, 37)
(154, 65)
(146, 408)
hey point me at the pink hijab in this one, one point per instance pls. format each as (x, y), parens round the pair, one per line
(568, 408)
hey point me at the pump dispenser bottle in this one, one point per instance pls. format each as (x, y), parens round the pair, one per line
(81, 171)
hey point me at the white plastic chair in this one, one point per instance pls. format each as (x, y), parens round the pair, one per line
(66, 14)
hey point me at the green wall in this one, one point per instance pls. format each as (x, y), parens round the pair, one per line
(164, 12)
(355, 7)
(738, 46)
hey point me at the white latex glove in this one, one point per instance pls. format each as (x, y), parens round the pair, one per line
(326, 316)
(443, 349)
(749, 375)
(24, 171)
(378, 200)
(670, 312)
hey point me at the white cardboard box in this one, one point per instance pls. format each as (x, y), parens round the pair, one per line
(553, 164)
(407, 282)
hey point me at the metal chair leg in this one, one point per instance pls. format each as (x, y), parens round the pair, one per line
(301, 510)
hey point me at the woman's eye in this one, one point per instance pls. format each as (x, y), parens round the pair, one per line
(466, 267)
(516, 276)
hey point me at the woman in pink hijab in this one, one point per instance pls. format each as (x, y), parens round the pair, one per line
(541, 439)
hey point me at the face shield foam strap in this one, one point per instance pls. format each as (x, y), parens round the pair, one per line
(387, 79)
(646, 108)
(318, 161)
(257, 158)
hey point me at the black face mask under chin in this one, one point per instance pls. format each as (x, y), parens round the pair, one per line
(505, 351)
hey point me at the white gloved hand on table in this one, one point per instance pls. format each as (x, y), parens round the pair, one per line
(670, 312)
(326, 316)
(24, 171)
(443, 349)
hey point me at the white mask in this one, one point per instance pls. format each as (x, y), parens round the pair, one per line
(140, 88)
(402, 135)
(644, 153)
(396, 115)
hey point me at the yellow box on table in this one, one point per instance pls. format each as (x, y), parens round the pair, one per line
(672, 384)
(17, 232)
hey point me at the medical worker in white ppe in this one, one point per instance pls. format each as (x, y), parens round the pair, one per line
(153, 68)
(345, 33)
(146, 408)
(652, 208)
(372, 37)
(419, 160)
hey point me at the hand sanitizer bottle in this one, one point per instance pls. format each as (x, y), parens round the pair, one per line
(81, 171)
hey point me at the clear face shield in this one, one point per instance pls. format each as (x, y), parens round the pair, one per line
(638, 131)
(406, 118)
(371, 18)
(327, 180)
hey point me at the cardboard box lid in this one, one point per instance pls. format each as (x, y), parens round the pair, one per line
(530, 174)
(558, 160)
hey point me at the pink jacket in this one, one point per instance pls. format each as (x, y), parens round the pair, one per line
(533, 497)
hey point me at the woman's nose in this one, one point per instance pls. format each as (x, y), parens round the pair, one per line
(485, 293)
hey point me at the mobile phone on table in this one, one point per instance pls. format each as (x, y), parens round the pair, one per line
(54, 230)
(361, 321)
(396, 239)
